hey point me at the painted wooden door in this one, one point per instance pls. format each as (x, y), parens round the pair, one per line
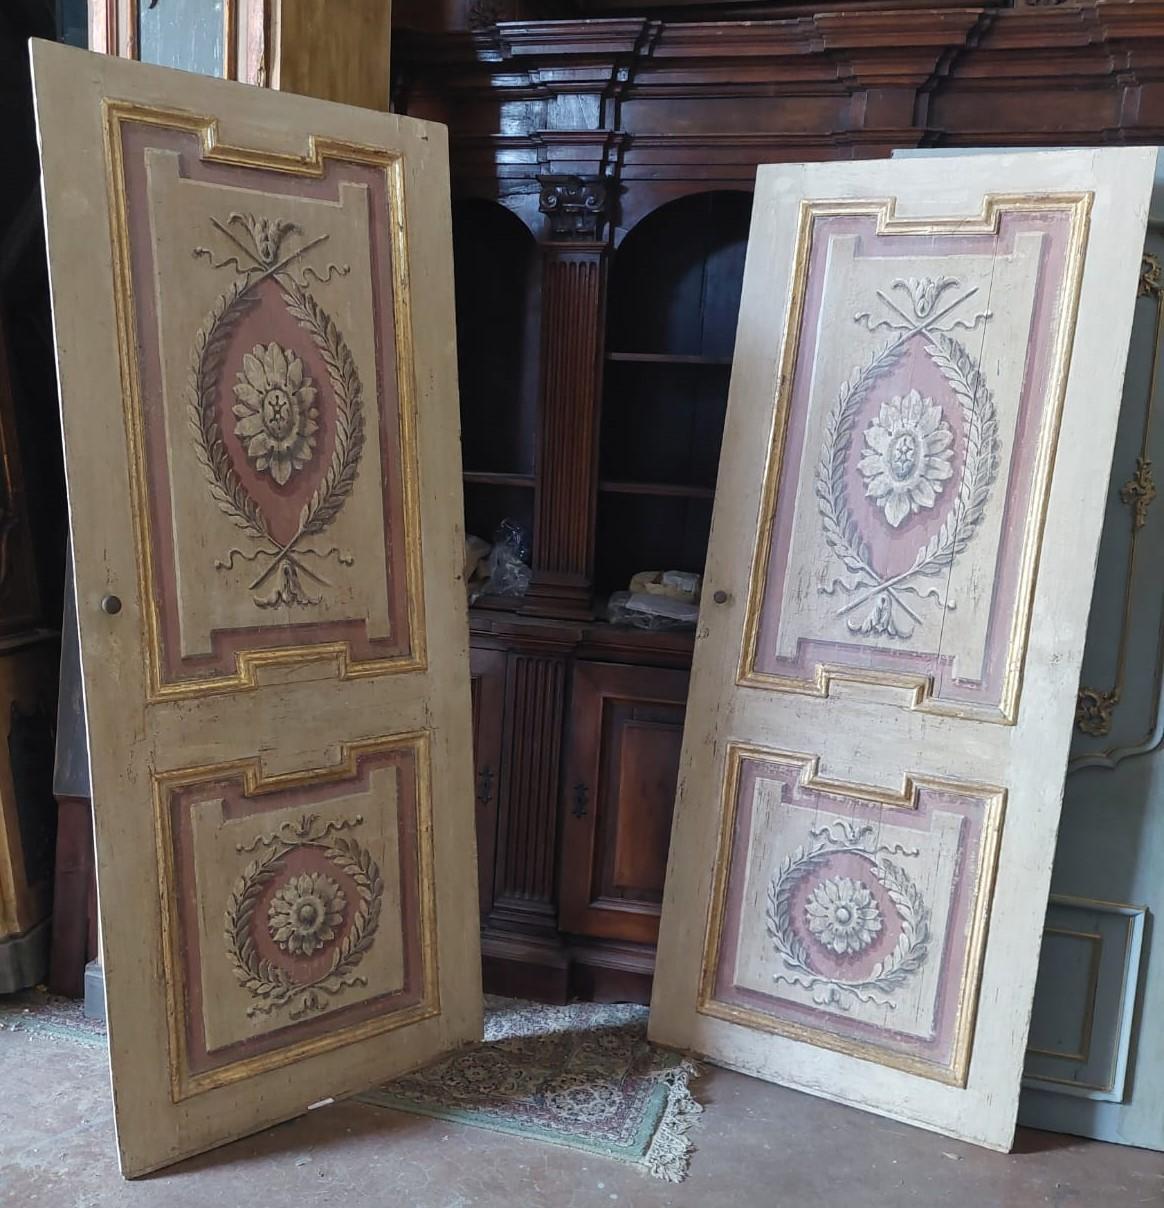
(922, 410)
(253, 305)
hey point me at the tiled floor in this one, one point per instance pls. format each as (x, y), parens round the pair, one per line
(755, 1145)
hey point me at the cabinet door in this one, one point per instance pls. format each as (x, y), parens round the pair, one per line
(626, 731)
(487, 678)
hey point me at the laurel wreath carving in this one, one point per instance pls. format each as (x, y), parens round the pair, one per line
(909, 953)
(210, 344)
(226, 487)
(329, 497)
(980, 465)
(269, 983)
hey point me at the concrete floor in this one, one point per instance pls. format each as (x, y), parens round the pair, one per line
(755, 1145)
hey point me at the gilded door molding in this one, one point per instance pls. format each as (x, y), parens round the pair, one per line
(261, 422)
(882, 519)
(298, 909)
(832, 920)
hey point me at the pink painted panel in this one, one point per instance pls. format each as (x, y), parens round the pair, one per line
(281, 503)
(308, 958)
(852, 918)
(883, 617)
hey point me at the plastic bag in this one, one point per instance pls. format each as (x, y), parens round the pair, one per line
(507, 564)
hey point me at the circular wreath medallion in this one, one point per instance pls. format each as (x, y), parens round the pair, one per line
(304, 915)
(842, 914)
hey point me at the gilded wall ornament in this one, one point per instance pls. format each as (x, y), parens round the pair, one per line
(842, 915)
(1139, 492)
(308, 915)
(1094, 709)
(275, 409)
(906, 459)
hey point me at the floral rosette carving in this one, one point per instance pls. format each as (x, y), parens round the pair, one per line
(843, 917)
(909, 462)
(307, 915)
(275, 416)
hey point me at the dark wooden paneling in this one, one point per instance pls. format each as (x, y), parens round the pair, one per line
(526, 831)
(626, 729)
(487, 679)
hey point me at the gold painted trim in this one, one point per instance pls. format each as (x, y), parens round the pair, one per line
(183, 1084)
(956, 1072)
(1094, 707)
(1088, 1023)
(921, 687)
(312, 164)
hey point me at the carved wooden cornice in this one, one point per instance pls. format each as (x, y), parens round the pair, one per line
(705, 101)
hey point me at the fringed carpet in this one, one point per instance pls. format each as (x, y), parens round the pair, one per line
(583, 1076)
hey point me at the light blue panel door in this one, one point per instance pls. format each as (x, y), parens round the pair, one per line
(1095, 1059)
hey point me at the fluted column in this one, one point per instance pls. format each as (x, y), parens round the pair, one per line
(573, 315)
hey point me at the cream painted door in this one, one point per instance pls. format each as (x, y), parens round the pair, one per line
(922, 411)
(253, 305)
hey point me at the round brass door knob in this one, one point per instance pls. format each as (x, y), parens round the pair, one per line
(111, 604)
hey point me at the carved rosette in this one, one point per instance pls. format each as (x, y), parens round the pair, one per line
(574, 205)
(847, 938)
(302, 916)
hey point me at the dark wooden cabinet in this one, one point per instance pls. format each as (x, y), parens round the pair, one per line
(625, 735)
(602, 174)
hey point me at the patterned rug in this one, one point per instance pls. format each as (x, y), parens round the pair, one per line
(583, 1076)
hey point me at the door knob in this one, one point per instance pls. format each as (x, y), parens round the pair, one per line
(111, 604)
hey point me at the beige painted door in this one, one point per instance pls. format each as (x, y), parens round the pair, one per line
(254, 324)
(922, 411)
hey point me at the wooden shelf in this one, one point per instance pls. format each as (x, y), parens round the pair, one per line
(666, 358)
(659, 489)
(483, 478)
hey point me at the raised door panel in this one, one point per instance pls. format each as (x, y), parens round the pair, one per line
(487, 683)
(626, 730)
(920, 425)
(253, 308)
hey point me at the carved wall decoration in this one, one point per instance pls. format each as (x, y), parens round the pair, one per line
(574, 205)
(883, 549)
(265, 326)
(305, 913)
(1096, 707)
(839, 916)
(276, 407)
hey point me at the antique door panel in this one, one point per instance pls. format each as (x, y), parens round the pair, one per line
(252, 297)
(626, 733)
(879, 717)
